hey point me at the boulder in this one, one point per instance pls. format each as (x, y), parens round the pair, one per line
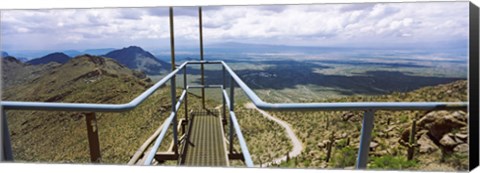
(448, 141)
(461, 136)
(463, 148)
(460, 115)
(441, 122)
(347, 116)
(426, 145)
(373, 145)
(434, 131)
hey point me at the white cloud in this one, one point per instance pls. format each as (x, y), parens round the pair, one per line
(317, 25)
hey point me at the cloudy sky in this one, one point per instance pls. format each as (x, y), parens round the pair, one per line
(441, 24)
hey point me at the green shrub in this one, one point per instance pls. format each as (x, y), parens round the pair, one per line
(392, 162)
(344, 157)
(458, 160)
(306, 163)
(341, 143)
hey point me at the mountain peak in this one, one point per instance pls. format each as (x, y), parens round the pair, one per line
(134, 47)
(135, 57)
(58, 57)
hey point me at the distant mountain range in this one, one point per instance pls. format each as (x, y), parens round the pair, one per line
(53, 57)
(136, 58)
(98, 52)
(132, 57)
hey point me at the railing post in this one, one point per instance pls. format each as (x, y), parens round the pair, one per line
(232, 91)
(201, 54)
(172, 83)
(6, 153)
(174, 121)
(224, 120)
(365, 138)
(185, 88)
(93, 142)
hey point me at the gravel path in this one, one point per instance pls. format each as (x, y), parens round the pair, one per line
(297, 144)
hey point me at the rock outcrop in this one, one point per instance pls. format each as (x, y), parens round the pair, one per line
(445, 130)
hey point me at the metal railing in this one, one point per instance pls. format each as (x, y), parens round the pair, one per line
(367, 124)
(368, 107)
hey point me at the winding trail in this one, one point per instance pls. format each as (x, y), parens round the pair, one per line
(297, 144)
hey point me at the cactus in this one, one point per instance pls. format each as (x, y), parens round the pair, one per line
(328, 123)
(330, 146)
(288, 157)
(412, 141)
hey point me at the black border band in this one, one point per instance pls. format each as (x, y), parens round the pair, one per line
(473, 86)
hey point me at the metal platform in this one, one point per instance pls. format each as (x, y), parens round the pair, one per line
(205, 145)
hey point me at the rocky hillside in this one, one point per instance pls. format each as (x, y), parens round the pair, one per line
(136, 58)
(440, 140)
(57, 136)
(15, 72)
(80, 73)
(52, 137)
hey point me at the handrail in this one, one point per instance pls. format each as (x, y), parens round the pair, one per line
(342, 105)
(368, 107)
(241, 139)
(91, 107)
(165, 125)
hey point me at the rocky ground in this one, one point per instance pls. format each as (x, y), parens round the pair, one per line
(440, 140)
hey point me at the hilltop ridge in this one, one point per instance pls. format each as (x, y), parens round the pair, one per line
(57, 57)
(80, 74)
(136, 58)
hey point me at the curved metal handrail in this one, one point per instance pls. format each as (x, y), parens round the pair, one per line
(368, 107)
(91, 107)
(249, 92)
(343, 105)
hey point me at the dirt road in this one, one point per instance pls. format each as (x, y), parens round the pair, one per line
(297, 144)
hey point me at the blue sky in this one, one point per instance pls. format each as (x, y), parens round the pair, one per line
(376, 25)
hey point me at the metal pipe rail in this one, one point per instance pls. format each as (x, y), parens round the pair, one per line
(5, 148)
(236, 126)
(163, 132)
(90, 107)
(368, 107)
(344, 105)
